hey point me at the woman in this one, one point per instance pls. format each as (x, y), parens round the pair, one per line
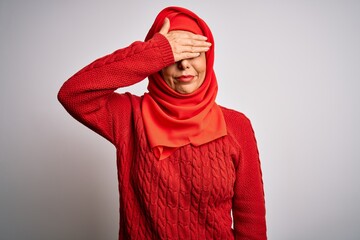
(184, 163)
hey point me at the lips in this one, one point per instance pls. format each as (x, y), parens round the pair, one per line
(185, 78)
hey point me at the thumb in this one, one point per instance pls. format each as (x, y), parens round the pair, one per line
(165, 27)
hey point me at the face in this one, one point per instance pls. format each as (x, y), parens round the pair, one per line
(187, 75)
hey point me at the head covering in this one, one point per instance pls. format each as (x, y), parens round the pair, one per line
(181, 21)
(173, 119)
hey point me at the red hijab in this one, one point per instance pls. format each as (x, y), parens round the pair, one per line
(173, 119)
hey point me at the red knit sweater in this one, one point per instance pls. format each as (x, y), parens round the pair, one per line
(189, 195)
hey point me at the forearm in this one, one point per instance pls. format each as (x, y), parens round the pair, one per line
(127, 66)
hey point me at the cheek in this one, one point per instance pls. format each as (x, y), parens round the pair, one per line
(167, 71)
(201, 68)
(167, 74)
(200, 63)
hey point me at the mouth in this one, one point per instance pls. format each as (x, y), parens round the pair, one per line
(185, 78)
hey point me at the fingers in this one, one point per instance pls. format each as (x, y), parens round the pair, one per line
(165, 27)
(191, 49)
(184, 44)
(187, 35)
(188, 52)
(193, 42)
(186, 48)
(188, 40)
(199, 37)
(187, 55)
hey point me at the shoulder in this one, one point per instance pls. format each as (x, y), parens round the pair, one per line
(238, 125)
(235, 119)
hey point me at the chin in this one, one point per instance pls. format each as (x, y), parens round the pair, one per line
(186, 91)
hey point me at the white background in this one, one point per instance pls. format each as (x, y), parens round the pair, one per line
(293, 67)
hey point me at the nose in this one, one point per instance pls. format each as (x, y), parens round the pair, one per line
(183, 64)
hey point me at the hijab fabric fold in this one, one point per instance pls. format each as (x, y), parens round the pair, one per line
(172, 119)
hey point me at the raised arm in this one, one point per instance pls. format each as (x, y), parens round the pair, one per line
(89, 94)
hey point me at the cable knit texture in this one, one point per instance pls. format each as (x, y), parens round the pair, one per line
(189, 195)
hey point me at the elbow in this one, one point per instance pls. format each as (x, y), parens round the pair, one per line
(65, 95)
(62, 95)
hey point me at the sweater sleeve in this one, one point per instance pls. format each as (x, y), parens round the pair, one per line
(89, 95)
(248, 201)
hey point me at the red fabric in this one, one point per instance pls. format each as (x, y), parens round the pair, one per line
(181, 21)
(173, 119)
(191, 194)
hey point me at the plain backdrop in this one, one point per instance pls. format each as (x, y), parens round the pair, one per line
(293, 67)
